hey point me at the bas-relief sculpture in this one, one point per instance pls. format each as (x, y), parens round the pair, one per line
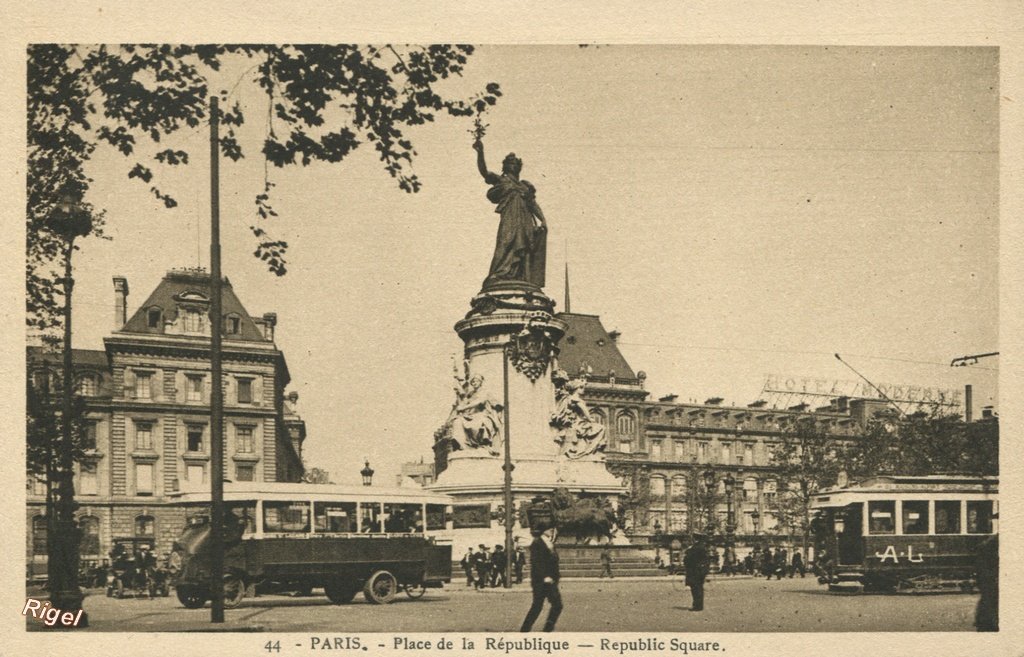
(576, 433)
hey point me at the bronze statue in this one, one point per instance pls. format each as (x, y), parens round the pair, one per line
(521, 245)
(576, 433)
(475, 420)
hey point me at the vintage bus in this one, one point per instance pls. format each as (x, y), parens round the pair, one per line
(894, 532)
(297, 537)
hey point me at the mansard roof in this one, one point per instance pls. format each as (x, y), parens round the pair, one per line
(192, 286)
(587, 343)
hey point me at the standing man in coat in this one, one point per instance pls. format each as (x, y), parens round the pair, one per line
(697, 564)
(544, 577)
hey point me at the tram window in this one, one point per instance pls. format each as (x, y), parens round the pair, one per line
(286, 517)
(245, 515)
(334, 516)
(370, 517)
(403, 518)
(882, 516)
(437, 517)
(947, 517)
(979, 517)
(915, 517)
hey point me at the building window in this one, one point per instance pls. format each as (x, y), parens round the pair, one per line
(680, 450)
(625, 446)
(39, 532)
(193, 321)
(244, 472)
(88, 435)
(947, 516)
(153, 317)
(656, 450)
(143, 385)
(144, 436)
(625, 424)
(37, 484)
(143, 478)
(726, 452)
(244, 391)
(87, 479)
(87, 385)
(233, 325)
(702, 452)
(657, 487)
(90, 545)
(679, 488)
(770, 491)
(145, 526)
(194, 476)
(195, 438)
(750, 490)
(194, 384)
(244, 444)
(748, 454)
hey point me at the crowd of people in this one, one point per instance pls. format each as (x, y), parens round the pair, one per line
(485, 567)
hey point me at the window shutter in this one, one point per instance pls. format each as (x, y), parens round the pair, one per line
(129, 383)
(207, 388)
(257, 390)
(180, 389)
(155, 384)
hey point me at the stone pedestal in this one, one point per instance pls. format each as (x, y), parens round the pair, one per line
(519, 313)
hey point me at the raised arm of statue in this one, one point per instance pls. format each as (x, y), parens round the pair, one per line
(481, 164)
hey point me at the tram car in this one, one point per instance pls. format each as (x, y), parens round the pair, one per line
(891, 533)
(297, 537)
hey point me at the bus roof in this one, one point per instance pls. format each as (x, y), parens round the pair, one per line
(898, 485)
(245, 491)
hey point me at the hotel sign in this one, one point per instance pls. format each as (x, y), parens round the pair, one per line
(899, 393)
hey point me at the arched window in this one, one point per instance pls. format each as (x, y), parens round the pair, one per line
(39, 535)
(657, 488)
(145, 526)
(90, 545)
(625, 425)
(750, 489)
(679, 488)
(597, 416)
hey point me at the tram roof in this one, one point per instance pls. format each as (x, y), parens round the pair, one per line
(244, 491)
(895, 485)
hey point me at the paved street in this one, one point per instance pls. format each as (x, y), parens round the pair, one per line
(661, 604)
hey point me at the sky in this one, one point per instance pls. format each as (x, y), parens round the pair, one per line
(734, 211)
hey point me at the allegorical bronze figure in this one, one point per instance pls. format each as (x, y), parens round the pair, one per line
(520, 248)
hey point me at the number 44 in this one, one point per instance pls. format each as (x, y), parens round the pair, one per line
(273, 646)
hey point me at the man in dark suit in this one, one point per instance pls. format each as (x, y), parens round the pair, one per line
(498, 562)
(697, 564)
(544, 577)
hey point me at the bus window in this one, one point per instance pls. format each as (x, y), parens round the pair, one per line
(915, 517)
(370, 517)
(334, 516)
(286, 517)
(882, 518)
(403, 518)
(437, 517)
(947, 516)
(979, 517)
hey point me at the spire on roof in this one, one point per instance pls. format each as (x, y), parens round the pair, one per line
(568, 308)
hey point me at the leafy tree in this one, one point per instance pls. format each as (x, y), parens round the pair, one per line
(316, 476)
(323, 102)
(44, 424)
(634, 505)
(807, 459)
(926, 443)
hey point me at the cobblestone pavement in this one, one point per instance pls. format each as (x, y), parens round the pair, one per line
(659, 604)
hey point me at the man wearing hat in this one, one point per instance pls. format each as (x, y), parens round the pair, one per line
(544, 577)
(483, 566)
(498, 562)
(697, 565)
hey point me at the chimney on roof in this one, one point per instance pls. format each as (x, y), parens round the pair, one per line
(614, 335)
(713, 401)
(269, 322)
(987, 413)
(760, 403)
(668, 398)
(120, 302)
(798, 407)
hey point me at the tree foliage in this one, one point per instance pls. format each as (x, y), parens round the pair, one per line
(323, 102)
(44, 424)
(922, 444)
(316, 476)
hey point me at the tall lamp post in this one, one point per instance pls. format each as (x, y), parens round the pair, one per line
(68, 221)
(507, 467)
(710, 481)
(730, 520)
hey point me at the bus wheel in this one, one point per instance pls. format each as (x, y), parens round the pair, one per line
(190, 596)
(415, 591)
(339, 592)
(234, 591)
(381, 588)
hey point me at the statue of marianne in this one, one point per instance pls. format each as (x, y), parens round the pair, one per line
(521, 245)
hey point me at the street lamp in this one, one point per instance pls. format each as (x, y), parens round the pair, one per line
(755, 515)
(710, 481)
(367, 473)
(68, 220)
